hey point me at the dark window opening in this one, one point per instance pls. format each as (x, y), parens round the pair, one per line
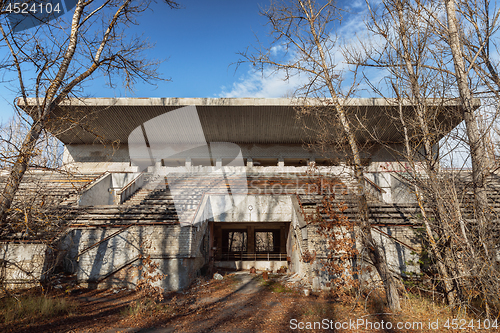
(202, 162)
(234, 241)
(173, 162)
(243, 242)
(264, 241)
(234, 162)
(296, 161)
(267, 241)
(327, 161)
(265, 162)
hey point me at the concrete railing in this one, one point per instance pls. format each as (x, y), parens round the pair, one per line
(109, 189)
(251, 256)
(298, 223)
(97, 192)
(129, 189)
(373, 189)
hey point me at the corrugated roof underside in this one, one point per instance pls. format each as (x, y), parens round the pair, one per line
(260, 124)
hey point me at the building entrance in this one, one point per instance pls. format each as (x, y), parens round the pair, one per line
(249, 242)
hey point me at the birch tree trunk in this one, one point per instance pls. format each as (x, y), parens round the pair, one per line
(51, 83)
(477, 147)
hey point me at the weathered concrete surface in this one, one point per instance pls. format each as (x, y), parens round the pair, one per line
(98, 193)
(105, 190)
(272, 265)
(180, 252)
(250, 208)
(23, 265)
(399, 245)
(297, 244)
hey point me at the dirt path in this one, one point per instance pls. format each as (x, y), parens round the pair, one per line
(240, 302)
(248, 307)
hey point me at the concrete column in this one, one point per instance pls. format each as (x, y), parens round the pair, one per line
(250, 239)
(249, 162)
(188, 162)
(218, 163)
(384, 181)
(281, 162)
(218, 238)
(157, 167)
(67, 158)
(283, 240)
(211, 250)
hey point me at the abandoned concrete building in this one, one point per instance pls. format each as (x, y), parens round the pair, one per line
(203, 184)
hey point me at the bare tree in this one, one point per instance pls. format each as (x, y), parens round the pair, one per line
(304, 29)
(49, 148)
(407, 55)
(415, 50)
(52, 60)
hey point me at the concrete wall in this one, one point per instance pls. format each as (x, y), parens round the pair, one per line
(23, 265)
(250, 208)
(402, 257)
(104, 190)
(272, 265)
(100, 153)
(119, 157)
(178, 250)
(402, 192)
(297, 242)
(399, 245)
(99, 193)
(396, 189)
(95, 153)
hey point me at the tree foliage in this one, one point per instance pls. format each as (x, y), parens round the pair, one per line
(50, 62)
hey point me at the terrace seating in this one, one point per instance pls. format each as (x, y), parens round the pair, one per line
(40, 185)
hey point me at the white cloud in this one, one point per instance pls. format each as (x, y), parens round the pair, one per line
(351, 33)
(263, 85)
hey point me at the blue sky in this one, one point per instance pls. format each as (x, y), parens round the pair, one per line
(200, 41)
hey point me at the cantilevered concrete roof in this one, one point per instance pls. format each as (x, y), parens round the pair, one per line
(238, 120)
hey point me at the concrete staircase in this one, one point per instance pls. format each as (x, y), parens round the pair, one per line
(183, 192)
(58, 188)
(46, 199)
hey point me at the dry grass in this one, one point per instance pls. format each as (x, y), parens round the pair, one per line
(145, 308)
(213, 304)
(31, 308)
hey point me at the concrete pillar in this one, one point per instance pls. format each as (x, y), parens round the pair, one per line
(188, 162)
(218, 238)
(218, 163)
(281, 162)
(157, 167)
(249, 162)
(211, 250)
(283, 240)
(251, 239)
(384, 181)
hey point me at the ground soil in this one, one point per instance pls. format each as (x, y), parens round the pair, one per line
(237, 303)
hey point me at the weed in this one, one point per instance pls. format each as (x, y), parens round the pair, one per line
(145, 307)
(275, 286)
(31, 308)
(150, 295)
